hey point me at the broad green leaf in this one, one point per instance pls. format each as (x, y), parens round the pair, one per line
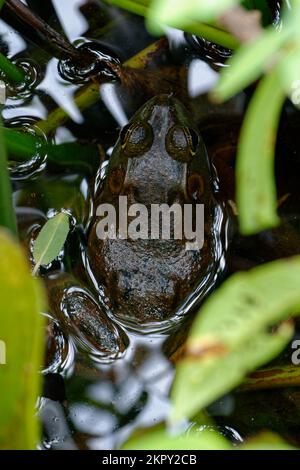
(229, 337)
(22, 340)
(50, 240)
(249, 63)
(159, 438)
(199, 382)
(255, 179)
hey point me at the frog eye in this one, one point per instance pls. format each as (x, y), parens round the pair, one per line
(116, 180)
(136, 138)
(195, 186)
(182, 143)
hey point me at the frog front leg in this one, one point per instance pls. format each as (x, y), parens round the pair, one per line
(80, 315)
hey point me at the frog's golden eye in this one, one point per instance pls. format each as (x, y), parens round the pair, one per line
(136, 138)
(182, 143)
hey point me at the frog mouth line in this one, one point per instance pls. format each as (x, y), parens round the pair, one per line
(164, 222)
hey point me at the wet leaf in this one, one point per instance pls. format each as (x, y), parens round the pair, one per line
(22, 340)
(230, 336)
(255, 179)
(50, 240)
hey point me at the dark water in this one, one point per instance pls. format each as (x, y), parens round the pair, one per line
(89, 402)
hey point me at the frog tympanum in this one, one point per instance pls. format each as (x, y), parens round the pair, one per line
(146, 283)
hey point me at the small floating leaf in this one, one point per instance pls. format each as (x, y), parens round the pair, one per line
(50, 240)
(21, 348)
(230, 336)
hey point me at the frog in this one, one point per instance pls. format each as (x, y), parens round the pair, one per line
(146, 284)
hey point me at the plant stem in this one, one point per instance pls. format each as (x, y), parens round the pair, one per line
(89, 95)
(211, 33)
(7, 213)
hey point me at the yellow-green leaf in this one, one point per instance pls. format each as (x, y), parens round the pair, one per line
(256, 188)
(230, 336)
(22, 341)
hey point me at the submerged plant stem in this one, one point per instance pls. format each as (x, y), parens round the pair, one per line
(89, 94)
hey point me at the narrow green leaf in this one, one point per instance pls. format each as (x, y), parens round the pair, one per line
(289, 73)
(50, 240)
(175, 12)
(21, 348)
(249, 63)
(70, 155)
(256, 188)
(230, 338)
(198, 383)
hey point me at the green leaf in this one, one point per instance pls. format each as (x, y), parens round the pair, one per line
(289, 74)
(11, 71)
(159, 438)
(71, 155)
(176, 13)
(249, 63)
(22, 339)
(50, 240)
(256, 188)
(230, 337)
